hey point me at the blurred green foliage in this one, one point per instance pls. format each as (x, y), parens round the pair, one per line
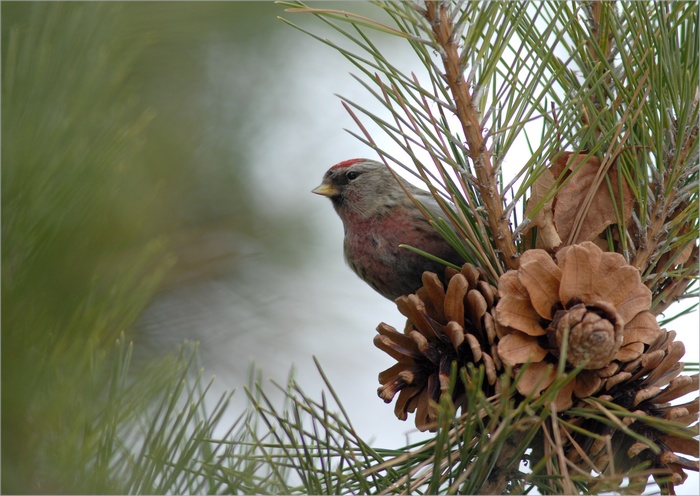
(108, 166)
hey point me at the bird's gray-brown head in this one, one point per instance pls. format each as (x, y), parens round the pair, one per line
(360, 187)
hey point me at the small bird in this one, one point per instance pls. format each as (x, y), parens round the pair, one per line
(378, 216)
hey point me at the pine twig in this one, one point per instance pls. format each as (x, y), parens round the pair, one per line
(438, 17)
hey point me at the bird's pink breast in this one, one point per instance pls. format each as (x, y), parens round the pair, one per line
(372, 247)
(388, 230)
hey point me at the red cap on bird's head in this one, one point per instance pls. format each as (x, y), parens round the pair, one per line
(348, 163)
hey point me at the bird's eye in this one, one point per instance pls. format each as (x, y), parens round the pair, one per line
(351, 175)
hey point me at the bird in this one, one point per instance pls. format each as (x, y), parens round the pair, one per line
(377, 218)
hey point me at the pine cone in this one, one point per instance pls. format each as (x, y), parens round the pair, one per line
(443, 327)
(645, 387)
(593, 332)
(591, 299)
(596, 304)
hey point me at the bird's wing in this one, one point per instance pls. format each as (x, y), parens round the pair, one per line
(430, 203)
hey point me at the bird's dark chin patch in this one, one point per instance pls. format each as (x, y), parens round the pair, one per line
(338, 201)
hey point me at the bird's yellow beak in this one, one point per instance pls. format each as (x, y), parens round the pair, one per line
(326, 189)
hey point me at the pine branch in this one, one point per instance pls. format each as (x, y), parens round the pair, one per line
(440, 18)
(610, 101)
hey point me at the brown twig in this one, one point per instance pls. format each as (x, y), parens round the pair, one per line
(676, 286)
(567, 484)
(660, 210)
(506, 468)
(437, 15)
